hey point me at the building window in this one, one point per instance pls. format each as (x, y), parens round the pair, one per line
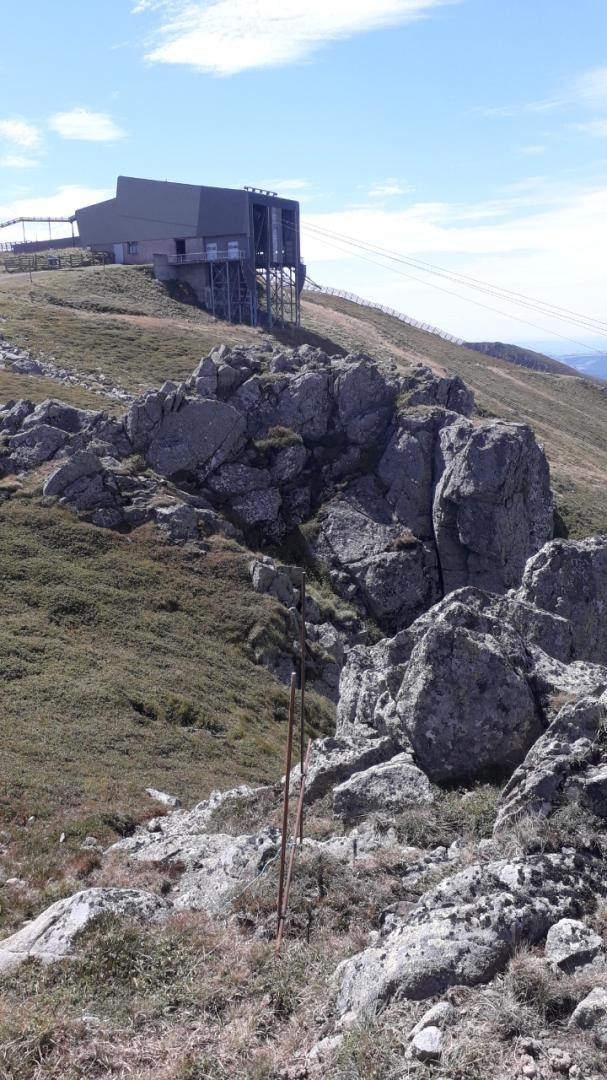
(132, 247)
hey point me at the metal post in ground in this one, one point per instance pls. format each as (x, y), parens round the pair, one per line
(285, 805)
(296, 831)
(302, 646)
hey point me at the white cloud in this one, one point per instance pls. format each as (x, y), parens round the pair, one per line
(18, 161)
(86, 125)
(61, 203)
(283, 187)
(546, 243)
(533, 150)
(228, 36)
(388, 189)
(591, 86)
(594, 127)
(20, 132)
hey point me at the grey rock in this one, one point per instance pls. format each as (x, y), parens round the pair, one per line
(288, 463)
(216, 865)
(364, 398)
(591, 1013)
(571, 945)
(200, 433)
(392, 576)
(440, 1015)
(258, 507)
(407, 468)
(53, 935)
(180, 522)
(13, 414)
(335, 759)
(81, 464)
(427, 1044)
(464, 700)
(560, 765)
(387, 787)
(493, 506)
(162, 797)
(569, 579)
(276, 580)
(65, 417)
(423, 387)
(32, 447)
(238, 479)
(304, 405)
(464, 930)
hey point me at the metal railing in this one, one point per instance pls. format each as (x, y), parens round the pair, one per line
(326, 290)
(206, 256)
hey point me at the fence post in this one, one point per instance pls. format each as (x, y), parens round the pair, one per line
(285, 804)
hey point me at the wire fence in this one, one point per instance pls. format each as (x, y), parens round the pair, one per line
(326, 290)
(18, 264)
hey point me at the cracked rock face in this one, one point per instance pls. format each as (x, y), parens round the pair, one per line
(569, 579)
(568, 763)
(464, 930)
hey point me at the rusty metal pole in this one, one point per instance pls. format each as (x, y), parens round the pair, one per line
(285, 805)
(302, 646)
(296, 831)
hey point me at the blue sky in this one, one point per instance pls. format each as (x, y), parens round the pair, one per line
(471, 134)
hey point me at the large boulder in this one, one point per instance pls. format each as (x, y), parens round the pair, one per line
(383, 788)
(465, 703)
(53, 935)
(334, 759)
(454, 686)
(493, 506)
(569, 579)
(464, 930)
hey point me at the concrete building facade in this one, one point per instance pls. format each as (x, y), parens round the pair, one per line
(239, 250)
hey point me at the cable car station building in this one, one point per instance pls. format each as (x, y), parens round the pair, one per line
(238, 249)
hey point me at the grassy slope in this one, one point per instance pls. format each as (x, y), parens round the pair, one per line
(123, 664)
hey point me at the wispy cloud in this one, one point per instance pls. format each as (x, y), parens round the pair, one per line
(588, 89)
(18, 161)
(20, 133)
(284, 187)
(594, 127)
(387, 189)
(532, 151)
(540, 239)
(228, 36)
(83, 124)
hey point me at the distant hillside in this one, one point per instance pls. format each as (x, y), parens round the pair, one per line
(589, 364)
(514, 354)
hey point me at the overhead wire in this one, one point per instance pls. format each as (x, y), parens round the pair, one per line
(345, 245)
(433, 268)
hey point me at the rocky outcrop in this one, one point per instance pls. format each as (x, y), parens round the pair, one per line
(569, 579)
(213, 865)
(405, 497)
(492, 507)
(53, 934)
(567, 764)
(464, 930)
